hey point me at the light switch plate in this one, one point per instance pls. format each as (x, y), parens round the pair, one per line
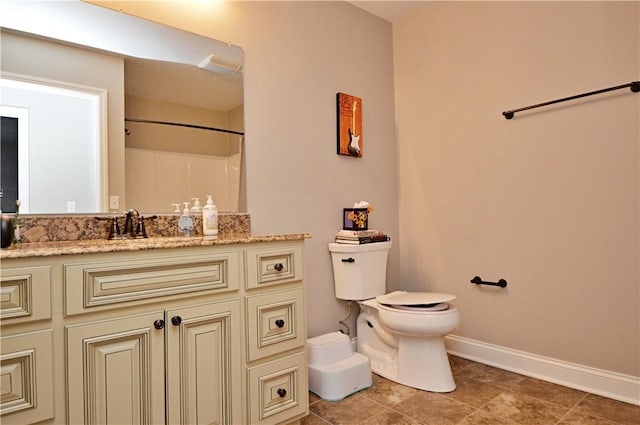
(114, 202)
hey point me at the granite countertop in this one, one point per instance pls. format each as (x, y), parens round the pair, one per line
(45, 249)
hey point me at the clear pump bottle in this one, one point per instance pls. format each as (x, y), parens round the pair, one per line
(185, 223)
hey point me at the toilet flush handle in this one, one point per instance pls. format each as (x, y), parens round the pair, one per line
(348, 260)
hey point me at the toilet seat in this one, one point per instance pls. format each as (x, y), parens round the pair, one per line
(421, 307)
(416, 301)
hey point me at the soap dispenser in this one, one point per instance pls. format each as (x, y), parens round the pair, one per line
(185, 223)
(210, 219)
(196, 208)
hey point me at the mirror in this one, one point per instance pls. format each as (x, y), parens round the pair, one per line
(166, 116)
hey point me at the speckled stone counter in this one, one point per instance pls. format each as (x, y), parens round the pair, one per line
(76, 227)
(43, 249)
(48, 235)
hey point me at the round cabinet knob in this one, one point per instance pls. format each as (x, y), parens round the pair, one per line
(279, 323)
(282, 392)
(176, 320)
(158, 324)
(279, 267)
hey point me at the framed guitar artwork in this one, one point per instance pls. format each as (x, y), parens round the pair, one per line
(349, 110)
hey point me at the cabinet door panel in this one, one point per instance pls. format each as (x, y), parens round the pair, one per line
(116, 371)
(25, 294)
(103, 285)
(273, 266)
(26, 378)
(203, 375)
(275, 323)
(277, 391)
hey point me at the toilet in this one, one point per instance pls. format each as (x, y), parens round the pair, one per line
(401, 332)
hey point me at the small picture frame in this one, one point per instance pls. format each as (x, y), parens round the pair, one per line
(349, 136)
(355, 219)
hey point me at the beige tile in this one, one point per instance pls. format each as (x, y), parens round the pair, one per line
(483, 418)
(577, 418)
(351, 410)
(458, 363)
(492, 375)
(433, 409)
(313, 398)
(607, 408)
(387, 392)
(472, 392)
(524, 410)
(390, 418)
(484, 396)
(547, 391)
(312, 419)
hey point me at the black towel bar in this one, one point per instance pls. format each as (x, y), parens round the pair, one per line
(634, 86)
(177, 124)
(478, 281)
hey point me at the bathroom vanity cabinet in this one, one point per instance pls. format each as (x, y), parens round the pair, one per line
(201, 334)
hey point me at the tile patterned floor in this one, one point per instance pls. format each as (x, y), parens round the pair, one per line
(484, 396)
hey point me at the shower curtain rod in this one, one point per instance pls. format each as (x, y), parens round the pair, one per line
(634, 86)
(200, 127)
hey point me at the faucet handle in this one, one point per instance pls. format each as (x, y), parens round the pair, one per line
(114, 228)
(114, 231)
(141, 232)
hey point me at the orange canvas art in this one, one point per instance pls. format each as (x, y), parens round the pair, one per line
(349, 124)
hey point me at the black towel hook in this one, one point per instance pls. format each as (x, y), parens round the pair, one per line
(478, 281)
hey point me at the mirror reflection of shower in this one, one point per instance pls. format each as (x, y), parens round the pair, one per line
(157, 178)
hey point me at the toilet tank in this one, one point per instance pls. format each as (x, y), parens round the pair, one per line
(359, 271)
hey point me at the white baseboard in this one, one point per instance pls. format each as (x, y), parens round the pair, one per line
(597, 381)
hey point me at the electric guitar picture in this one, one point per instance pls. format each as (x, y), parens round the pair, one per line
(354, 139)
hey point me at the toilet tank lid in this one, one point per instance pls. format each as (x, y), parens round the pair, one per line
(366, 247)
(414, 298)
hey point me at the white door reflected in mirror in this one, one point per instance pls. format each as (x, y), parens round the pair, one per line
(59, 127)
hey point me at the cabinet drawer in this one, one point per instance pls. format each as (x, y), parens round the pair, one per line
(275, 323)
(273, 266)
(278, 390)
(26, 370)
(25, 294)
(103, 285)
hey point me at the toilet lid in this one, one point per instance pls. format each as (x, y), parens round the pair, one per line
(420, 301)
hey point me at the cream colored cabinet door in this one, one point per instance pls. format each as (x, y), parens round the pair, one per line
(26, 378)
(116, 371)
(203, 364)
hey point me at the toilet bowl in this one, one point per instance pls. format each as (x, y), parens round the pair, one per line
(401, 332)
(406, 345)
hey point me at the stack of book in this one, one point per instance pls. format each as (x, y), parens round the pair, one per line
(357, 237)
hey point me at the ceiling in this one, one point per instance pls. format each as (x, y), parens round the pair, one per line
(389, 10)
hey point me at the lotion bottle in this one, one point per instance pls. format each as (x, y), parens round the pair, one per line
(210, 219)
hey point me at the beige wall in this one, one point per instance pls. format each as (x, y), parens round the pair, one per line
(298, 55)
(548, 200)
